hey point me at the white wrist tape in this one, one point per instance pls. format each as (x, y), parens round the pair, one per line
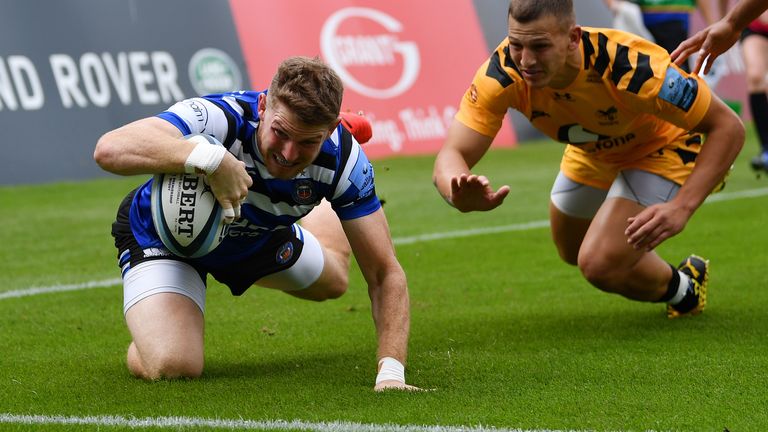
(204, 157)
(391, 369)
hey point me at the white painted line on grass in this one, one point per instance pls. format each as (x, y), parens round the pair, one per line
(730, 196)
(241, 424)
(718, 197)
(470, 232)
(59, 288)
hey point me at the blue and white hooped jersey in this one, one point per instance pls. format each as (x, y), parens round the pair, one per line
(341, 173)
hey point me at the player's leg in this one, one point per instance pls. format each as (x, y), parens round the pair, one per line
(589, 232)
(163, 304)
(322, 270)
(163, 300)
(670, 34)
(571, 209)
(755, 52)
(609, 263)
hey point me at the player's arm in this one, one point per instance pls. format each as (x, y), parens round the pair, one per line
(153, 145)
(370, 240)
(452, 174)
(720, 36)
(146, 146)
(724, 139)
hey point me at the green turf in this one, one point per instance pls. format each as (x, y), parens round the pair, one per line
(506, 334)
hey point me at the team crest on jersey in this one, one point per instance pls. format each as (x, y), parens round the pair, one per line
(473, 93)
(304, 192)
(608, 116)
(285, 253)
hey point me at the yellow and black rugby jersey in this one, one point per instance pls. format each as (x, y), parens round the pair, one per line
(627, 101)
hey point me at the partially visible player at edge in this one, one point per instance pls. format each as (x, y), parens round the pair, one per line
(635, 166)
(285, 155)
(720, 36)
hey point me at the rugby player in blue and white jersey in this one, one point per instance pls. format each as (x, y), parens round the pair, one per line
(284, 155)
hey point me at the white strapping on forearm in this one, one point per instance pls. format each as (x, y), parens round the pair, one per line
(205, 157)
(391, 369)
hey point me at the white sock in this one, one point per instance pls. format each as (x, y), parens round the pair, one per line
(682, 288)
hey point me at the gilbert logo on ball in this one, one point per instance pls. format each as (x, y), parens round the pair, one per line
(186, 215)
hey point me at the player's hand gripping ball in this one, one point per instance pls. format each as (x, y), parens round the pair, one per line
(186, 214)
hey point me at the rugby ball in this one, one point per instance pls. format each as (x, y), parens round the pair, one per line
(185, 213)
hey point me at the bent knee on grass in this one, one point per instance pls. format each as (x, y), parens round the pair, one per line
(322, 291)
(164, 364)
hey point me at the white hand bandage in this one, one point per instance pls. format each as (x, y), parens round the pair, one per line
(391, 369)
(204, 157)
(230, 214)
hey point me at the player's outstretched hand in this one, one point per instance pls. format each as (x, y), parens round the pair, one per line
(395, 385)
(229, 184)
(709, 43)
(470, 192)
(655, 224)
(391, 376)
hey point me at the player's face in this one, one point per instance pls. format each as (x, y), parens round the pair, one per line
(287, 144)
(541, 50)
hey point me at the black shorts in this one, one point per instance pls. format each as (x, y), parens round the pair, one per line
(749, 32)
(238, 275)
(670, 34)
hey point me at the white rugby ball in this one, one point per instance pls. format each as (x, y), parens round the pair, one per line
(185, 212)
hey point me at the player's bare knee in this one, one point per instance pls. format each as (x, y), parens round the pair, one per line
(338, 268)
(320, 293)
(568, 255)
(755, 81)
(164, 365)
(174, 366)
(333, 290)
(338, 290)
(600, 272)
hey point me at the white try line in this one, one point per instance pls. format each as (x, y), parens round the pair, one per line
(719, 197)
(722, 196)
(241, 424)
(59, 288)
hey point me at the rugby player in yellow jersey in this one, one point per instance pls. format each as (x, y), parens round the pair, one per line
(636, 165)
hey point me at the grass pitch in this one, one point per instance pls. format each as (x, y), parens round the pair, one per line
(506, 334)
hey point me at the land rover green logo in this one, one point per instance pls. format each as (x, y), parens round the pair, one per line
(213, 71)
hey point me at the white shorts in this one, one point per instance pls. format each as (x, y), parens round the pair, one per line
(172, 276)
(582, 201)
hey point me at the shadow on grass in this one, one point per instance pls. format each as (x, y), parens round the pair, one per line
(355, 366)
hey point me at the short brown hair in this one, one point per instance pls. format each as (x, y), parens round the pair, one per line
(309, 88)
(525, 11)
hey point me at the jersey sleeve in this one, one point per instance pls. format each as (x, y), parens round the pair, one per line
(682, 98)
(355, 192)
(646, 79)
(495, 88)
(219, 115)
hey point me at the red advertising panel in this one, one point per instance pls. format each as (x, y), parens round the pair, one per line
(405, 63)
